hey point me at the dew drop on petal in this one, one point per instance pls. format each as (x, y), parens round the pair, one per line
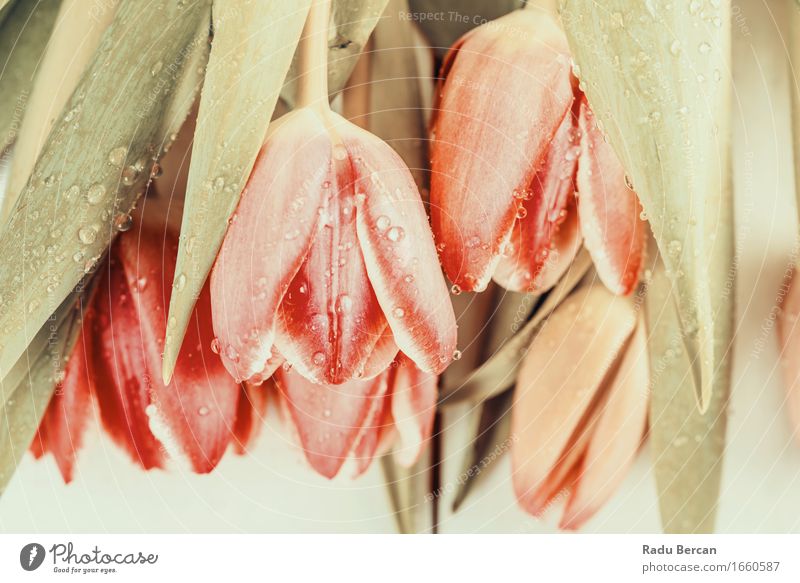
(382, 223)
(318, 358)
(395, 234)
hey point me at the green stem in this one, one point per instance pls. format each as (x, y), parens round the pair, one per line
(313, 89)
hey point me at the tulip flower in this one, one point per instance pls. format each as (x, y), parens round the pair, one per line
(356, 419)
(789, 339)
(580, 407)
(520, 171)
(328, 261)
(118, 357)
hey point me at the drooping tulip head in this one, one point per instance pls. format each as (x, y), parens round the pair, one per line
(513, 139)
(580, 406)
(329, 262)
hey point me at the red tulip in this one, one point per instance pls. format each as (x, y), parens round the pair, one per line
(351, 420)
(513, 138)
(580, 407)
(118, 357)
(329, 261)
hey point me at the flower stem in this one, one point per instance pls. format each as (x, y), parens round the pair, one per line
(313, 86)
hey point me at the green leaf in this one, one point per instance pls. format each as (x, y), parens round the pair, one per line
(444, 21)
(352, 24)
(250, 55)
(491, 441)
(25, 30)
(687, 445)
(409, 494)
(659, 82)
(499, 371)
(27, 389)
(79, 28)
(96, 162)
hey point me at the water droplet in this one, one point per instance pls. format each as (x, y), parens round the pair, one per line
(383, 223)
(203, 411)
(522, 212)
(96, 193)
(88, 234)
(704, 48)
(123, 222)
(398, 312)
(215, 346)
(409, 278)
(180, 283)
(455, 290)
(457, 355)
(339, 152)
(117, 156)
(395, 234)
(129, 175)
(675, 47)
(674, 248)
(344, 304)
(318, 358)
(156, 69)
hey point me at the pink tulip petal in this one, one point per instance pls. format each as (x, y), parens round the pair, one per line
(328, 418)
(268, 239)
(120, 369)
(789, 336)
(567, 243)
(617, 436)
(559, 381)
(375, 425)
(330, 320)
(507, 90)
(608, 210)
(414, 396)
(198, 407)
(544, 208)
(399, 253)
(64, 422)
(250, 412)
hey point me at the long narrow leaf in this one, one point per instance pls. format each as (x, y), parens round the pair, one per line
(25, 29)
(250, 55)
(96, 162)
(687, 445)
(659, 80)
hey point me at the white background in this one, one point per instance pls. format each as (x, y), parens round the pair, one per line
(271, 490)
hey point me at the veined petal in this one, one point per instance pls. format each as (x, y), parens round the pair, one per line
(376, 425)
(559, 381)
(414, 395)
(64, 422)
(195, 413)
(617, 435)
(542, 209)
(121, 372)
(399, 252)
(250, 413)
(608, 210)
(268, 239)
(565, 247)
(789, 336)
(507, 91)
(330, 321)
(328, 418)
